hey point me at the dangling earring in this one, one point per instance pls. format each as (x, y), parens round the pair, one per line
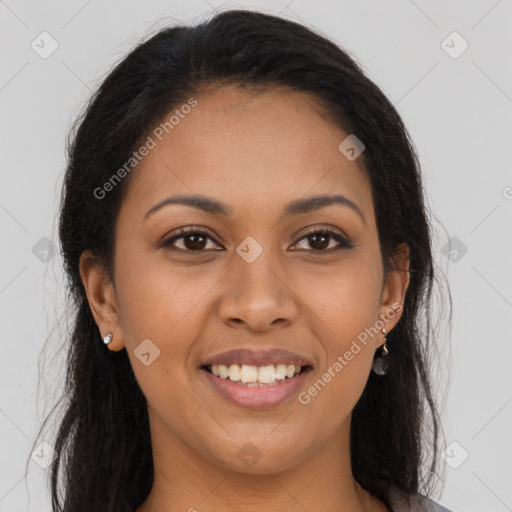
(381, 363)
(108, 338)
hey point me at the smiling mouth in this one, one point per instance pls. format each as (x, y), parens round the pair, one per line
(256, 376)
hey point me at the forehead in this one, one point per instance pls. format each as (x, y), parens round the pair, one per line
(250, 149)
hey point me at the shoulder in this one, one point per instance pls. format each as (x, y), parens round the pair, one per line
(400, 502)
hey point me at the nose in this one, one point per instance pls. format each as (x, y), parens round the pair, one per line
(259, 296)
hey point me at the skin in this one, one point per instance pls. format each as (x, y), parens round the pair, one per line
(255, 152)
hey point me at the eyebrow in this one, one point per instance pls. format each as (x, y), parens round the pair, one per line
(296, 207)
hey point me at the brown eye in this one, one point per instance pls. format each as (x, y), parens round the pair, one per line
(319, 240)
(193, 240)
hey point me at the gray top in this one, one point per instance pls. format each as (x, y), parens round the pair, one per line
(400, 502)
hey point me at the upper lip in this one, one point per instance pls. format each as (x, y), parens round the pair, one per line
(258, 357)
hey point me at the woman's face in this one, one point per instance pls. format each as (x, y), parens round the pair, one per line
(255, 279)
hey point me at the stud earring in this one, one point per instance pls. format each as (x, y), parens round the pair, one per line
(381, 363)
(108, 338)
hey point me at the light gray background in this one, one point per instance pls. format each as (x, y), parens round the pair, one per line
(458, 111)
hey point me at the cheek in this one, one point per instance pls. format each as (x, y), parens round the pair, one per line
(346, 335)
(344, 299)
(162, 309)
(157, 299)
(346, 307)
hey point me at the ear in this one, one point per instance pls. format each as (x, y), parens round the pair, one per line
(395, 287)
(102, 300)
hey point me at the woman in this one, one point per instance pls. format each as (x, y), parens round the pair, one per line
(245, 237)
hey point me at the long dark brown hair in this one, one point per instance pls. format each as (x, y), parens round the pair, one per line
(103, 446)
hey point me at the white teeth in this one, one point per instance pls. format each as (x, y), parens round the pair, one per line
(266, 374)
(248, 373)
(281, 371)
(234, 372)
(254, 375)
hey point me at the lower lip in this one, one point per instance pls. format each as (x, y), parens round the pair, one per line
(257, 397)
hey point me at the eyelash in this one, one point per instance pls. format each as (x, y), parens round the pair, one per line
(183, 232)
